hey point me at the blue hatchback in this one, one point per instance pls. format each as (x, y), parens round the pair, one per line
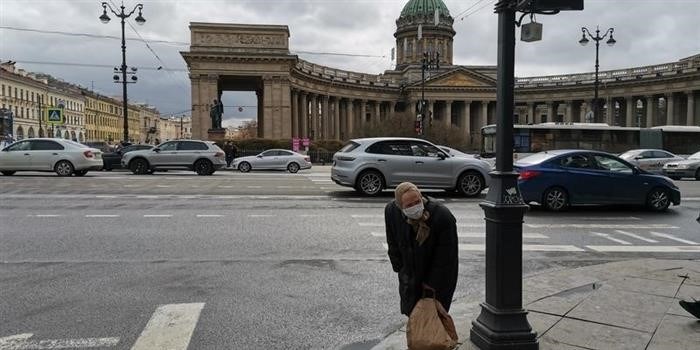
(563, 178)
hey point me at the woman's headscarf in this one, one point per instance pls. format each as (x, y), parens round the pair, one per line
(420, 226)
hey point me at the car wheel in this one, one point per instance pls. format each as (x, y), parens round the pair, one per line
(697, 174)
(244, 167)
(369, 183)
(64, 168)
(555, 199)
(80, 172)
(470, 184)
(203, 167)
(293, 167)
(139, 166)
(8, 173)
(658, 199)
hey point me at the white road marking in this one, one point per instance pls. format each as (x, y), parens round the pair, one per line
(526, 247)
(46, 215)
(286, 186)
(254, 186)
(692, 199)
(309, 215)
(483, 234)
(645, 248)
(101, 196)
(157, 216)
(672, 237)
(170, 328)
(607, 236)
(209, 215)
(163, 186)
(147, 197)
(22, 342)
(261, 215)
(225, 186)
(102, 216)
(381, 224)
(617, 218)
(131, 185)
(633, 235)
(603, 226)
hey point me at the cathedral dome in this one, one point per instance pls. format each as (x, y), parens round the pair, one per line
(424, 8)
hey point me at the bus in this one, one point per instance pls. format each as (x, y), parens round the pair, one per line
(535, 138)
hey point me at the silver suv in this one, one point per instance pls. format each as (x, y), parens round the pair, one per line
(373, 164)
(204, 157)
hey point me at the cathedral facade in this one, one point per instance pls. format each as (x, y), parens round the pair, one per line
(297, 98)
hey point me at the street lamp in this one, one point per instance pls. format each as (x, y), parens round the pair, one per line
(139, 20)
(430, 61)
(597, 38)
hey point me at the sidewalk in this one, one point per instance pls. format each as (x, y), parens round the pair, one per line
(619, 305)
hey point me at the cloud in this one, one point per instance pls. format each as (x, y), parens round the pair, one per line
(647, 32)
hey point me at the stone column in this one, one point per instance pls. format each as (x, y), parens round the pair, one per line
(568, 116)
(484, 117)
(377, 117)
(363, 113)
(392, 110)
(204, 91)
(336, 118)
(551, 113)
(466, 122)
(532, 112)
(314, 133)
(431, 111)
(630, 107)
(448, 114)
(670, 109)
(351, 119)
(304, 114)
(295, 113)
(609, 111)
(575, 111)
(651, 105)
(261, 113)
(325, 119)
(690, 114)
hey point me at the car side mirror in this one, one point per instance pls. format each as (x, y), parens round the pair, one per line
(260, 156)
(156, 150)
(442, 155)
(638, 157)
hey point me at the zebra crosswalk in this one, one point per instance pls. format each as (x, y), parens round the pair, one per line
(604, 236)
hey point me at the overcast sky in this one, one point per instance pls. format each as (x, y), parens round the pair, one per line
(647, 32)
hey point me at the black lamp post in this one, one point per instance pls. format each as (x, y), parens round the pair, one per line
(430, 61)
(140, 20)
(502, 323)
(597, 38)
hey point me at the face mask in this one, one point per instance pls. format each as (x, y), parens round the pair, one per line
(414, 212)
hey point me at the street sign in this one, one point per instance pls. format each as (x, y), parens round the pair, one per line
(54, 116)
(295, 144)
(305, 142)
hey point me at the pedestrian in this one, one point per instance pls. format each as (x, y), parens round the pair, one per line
(229, 151)
(422, 240)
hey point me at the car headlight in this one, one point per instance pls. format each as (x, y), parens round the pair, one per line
(683, 166)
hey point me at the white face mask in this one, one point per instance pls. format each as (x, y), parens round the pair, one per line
(414, 212)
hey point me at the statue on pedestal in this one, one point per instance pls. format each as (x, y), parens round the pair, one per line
(215, 113)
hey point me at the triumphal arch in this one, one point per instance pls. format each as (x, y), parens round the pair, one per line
(297, 98)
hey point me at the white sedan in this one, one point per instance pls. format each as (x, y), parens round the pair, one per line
(64, 157)
(273, 159)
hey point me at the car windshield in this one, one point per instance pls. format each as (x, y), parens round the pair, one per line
(695, 156)
(349, 147)
(536, 158)
(629, 154)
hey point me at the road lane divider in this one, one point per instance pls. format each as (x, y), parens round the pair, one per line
(644, 249)
(170, 328)
(157, 215)
(605, 226)
(608, 237)
(636, 236)
(673, 238)
(102, 216)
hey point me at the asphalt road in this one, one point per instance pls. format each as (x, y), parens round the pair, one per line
(262, 260)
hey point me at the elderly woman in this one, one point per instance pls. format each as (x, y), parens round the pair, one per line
(422, 239)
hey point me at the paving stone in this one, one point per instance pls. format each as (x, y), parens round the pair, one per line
(541, 323)
(645, 285)
(547, 343)
(563, 302)
(625, 309)
(677, 333)
(547, 285)
(672, 276)
(595, 336)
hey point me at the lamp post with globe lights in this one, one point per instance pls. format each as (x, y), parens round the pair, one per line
(597, 38)
(139, 20)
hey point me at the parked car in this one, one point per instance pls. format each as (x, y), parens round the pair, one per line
(563, 178)
(373, 164)
(455, 153)
(684, 168)
(101, 145)
(651, 160)
(64, 157)
(203, 157)
(273, 159)
(113, 160)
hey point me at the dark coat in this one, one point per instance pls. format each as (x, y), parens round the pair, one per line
(434, 262)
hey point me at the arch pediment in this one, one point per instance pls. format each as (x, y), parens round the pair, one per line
(460, 77)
